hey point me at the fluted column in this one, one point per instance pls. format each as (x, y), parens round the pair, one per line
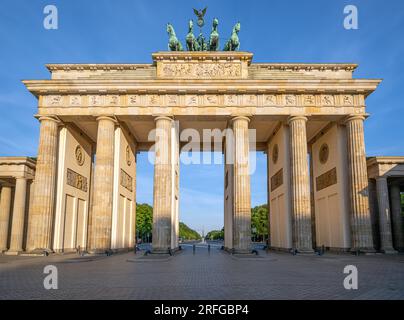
(17, 226)
(386, 239)
(5, 206)
(42, 212)
(242, 193)
(101, 219)
(397, 218)
(162, 194)
(300, 185)
(361, 225)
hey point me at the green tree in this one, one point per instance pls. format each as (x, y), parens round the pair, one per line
(144, 220)
(144, 224)
(215, 235)
(187, 233)
(259, 222)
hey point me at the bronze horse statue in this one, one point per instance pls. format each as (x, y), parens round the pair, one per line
(192, 43)
(214, 36)
(173, 43)
(233, 44)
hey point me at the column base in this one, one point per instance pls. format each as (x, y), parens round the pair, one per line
(389, 251)
(239, 251)
(13, 252)
(362, 250)
(100, 252)
(40, 252)
(163, 251)
(305, 251)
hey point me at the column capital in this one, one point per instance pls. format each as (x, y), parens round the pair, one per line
(107, 117)
(353, 117)
(169, 118)
(297, 117)
(22, 178)
(49, 118)
(381, 178)
(234, 118)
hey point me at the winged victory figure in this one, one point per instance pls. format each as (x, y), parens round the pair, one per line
(200, 14)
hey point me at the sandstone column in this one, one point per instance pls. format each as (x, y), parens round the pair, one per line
(101, 219)
(5, 205)
(386, 239)
(300, 185)
(242, 195)
(361, 225)
(17, 226)
(162, 194)
(396, 215)
(42, 212)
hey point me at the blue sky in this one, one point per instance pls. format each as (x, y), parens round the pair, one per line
(107, 31)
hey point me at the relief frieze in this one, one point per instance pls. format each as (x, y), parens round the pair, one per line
(206, 100)
(201, 70)
(126, 181)
(76, 180)
(326, 179)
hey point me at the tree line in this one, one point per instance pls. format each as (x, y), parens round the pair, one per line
(144, 223)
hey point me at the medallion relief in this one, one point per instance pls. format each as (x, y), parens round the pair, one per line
(275, 153)
(79, 155)
(323, 153)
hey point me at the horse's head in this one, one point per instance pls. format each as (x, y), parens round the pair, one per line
(215, 23)
(237, 27)
(191, 25)
(170, 29)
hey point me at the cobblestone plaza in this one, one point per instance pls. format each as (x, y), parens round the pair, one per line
(214, 275)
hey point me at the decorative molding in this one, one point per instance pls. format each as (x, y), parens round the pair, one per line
(326, 179)
(76, 180)
(277, 180)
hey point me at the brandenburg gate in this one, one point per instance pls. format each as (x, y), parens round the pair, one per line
(94, 118)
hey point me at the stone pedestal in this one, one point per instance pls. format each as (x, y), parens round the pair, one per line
(300, 185)
(242, 195)
(5, 207)
(42, 211)
(397, 218)
(163, 179)
(361, 224)
(17, 227)
(101, 218)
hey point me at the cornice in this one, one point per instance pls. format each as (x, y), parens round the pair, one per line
(83, 86)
